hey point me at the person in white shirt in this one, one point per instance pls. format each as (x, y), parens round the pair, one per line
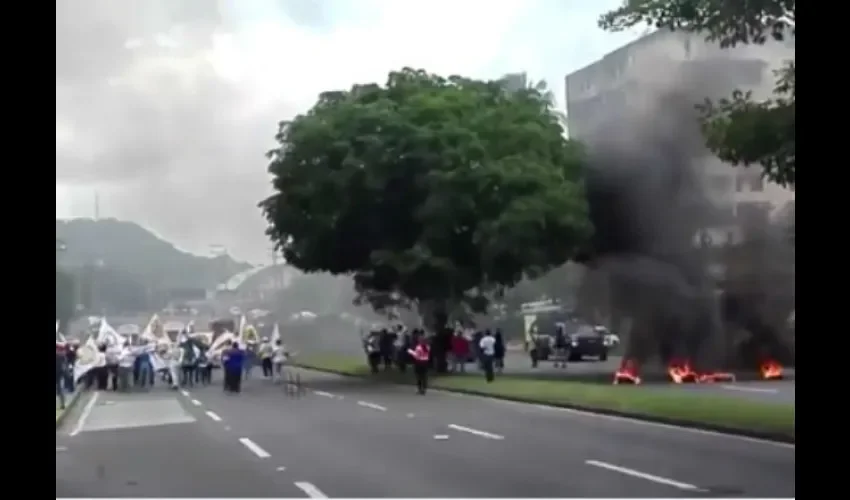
(487, 348)
(112, 353)
(175, 359)
(266, 353)
(279, 357)
(126, 359)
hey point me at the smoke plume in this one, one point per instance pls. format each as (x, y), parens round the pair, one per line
(652, 210)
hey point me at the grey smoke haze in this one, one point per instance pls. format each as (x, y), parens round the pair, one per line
(165, 107)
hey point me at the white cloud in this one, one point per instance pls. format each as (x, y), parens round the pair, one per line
(170, 110)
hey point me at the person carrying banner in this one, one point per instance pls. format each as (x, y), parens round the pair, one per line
(421, 355)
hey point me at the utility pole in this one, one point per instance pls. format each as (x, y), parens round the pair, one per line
(96, 205)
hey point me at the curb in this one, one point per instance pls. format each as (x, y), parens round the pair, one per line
(687, 424)
(69, 405)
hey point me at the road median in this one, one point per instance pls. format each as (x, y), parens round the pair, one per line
(758, 419)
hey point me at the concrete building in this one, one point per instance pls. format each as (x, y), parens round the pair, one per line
(628, 78)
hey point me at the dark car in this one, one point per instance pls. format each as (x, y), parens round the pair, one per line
(586, 341)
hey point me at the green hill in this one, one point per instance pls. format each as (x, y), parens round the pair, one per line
(122, 266)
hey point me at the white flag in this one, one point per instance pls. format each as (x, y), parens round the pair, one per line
(107, 335)
(275, 334)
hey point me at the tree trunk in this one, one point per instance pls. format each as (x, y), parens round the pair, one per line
(435, 314)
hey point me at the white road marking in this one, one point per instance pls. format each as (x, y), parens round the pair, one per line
(366, 404)
(214, 416)
(227, 427)
(410, 415)
(643, 475)
(281, 469)
(749, 389)
(196, 402)
(85, 414)
(323, 393)
(185, 393)
(255, 448)
(310, 489)
(61, 448)
(441, 437)
(470, 430)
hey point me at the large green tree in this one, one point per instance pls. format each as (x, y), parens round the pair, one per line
(440, 190)
(739, 130)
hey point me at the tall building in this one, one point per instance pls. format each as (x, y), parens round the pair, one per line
(630, 77)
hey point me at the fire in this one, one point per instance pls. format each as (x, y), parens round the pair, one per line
(681, 372)
(771, 370)
(627, 374)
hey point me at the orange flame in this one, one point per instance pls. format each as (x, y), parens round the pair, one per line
(682, 373)
(627, 374)
(771, 370)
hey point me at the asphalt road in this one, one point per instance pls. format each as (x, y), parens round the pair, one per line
(350, 438)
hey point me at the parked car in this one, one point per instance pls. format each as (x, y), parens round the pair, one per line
(587, 341)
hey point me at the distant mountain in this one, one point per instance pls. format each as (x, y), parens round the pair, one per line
(121, 265)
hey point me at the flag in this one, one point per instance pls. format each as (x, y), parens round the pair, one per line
(88, 357)
(107, 335)
(275, 334)
(154, 330)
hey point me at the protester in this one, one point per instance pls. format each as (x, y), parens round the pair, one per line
(102, 368)
(174, 362)
(460, 352)
(421, 356)
(203, 373)
(499, 351)
(146, 376)
(249, 354)
(113, 352)
(61, 371)
(487, 348)
(279, 356)
(126, 360)
(266, 353)
(187, 363)
(233, 360)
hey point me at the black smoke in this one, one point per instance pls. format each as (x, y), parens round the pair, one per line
(651, 210)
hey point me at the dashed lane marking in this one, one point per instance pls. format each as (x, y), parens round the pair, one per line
(476, 432)
(310, 489)
(643, 475)
(196, 402)
(373, 406)
(255, 448)
(214, 416)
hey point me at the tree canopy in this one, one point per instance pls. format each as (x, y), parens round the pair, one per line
(436, 189)
(739, 130)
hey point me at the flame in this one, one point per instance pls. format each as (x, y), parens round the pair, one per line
(681, 372)
(771, 370)
(627, 374)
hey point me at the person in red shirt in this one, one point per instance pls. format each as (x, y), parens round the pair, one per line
(460, 352)
(421, 354)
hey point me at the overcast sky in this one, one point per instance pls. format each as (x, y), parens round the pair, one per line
(165, 108)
